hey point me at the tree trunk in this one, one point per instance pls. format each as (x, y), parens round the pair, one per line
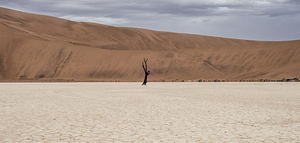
(147, 72)
(145, 79)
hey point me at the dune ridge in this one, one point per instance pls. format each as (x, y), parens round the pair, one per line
(43, 48)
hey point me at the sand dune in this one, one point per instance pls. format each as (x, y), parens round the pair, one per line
(37, 47)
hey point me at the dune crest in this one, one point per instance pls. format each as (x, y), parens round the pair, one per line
(43, 48)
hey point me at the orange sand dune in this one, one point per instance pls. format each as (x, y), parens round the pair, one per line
(43, 48)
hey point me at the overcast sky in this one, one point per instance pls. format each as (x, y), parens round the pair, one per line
(244, 19)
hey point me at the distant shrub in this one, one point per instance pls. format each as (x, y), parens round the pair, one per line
(41, 76)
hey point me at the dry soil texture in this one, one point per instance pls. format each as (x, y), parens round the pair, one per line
(159, 112)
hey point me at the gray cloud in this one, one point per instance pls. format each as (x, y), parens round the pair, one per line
(246, 19)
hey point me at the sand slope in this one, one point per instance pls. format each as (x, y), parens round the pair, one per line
(36, 47)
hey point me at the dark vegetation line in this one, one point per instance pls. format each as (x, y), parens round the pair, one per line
(72, 80)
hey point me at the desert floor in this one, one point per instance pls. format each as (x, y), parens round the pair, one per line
(159, 112)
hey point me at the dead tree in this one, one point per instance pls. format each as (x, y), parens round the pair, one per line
(147, 72)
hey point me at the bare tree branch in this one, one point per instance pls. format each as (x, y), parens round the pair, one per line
(144, 67)
(147, 72)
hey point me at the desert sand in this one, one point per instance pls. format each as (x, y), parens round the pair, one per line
(43, 48)
(159, 112)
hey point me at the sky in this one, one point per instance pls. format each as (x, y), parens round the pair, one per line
(270, 20)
